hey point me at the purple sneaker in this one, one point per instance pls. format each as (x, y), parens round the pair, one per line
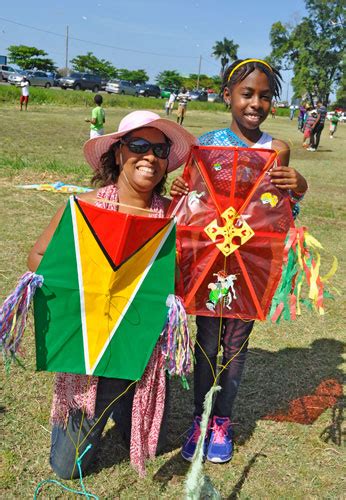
(189, 447)
(220, 448)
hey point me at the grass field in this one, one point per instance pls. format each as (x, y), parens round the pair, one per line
(286, 364)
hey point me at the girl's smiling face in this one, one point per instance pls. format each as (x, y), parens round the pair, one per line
(250, 100)
(142, 171)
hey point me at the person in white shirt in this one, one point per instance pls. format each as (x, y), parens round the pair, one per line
(171, 101)
(24, 98)
(182, 98)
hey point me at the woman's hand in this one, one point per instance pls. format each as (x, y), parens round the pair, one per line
(179, 187)
(288, 178)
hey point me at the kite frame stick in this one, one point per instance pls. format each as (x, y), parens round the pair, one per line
(112, 202)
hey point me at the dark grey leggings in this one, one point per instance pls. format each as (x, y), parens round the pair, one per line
(234, 335)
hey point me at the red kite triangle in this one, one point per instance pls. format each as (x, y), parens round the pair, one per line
(130, 236)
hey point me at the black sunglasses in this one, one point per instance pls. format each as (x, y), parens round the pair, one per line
(140, 146)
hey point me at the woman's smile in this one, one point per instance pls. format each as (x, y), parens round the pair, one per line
(146, 170)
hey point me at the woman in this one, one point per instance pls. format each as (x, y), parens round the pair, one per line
(131, 166)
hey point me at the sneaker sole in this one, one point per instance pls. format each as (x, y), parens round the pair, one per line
(187, 458)
(218, 460)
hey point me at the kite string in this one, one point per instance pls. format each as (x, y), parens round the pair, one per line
(105, 410)
(71, 490)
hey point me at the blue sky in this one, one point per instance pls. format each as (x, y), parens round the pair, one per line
(148, 34)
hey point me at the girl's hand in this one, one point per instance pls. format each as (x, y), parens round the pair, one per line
(179, 187)
(288, 178)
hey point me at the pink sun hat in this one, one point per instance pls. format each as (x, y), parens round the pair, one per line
(181, 139)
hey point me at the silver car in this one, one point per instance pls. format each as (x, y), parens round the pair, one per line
(121, 87)
(35, 78)
(6, 71)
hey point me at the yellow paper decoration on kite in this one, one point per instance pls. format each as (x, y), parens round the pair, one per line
(232, 235)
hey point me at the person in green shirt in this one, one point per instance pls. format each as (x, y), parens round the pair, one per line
(333, 124)
(98, 118)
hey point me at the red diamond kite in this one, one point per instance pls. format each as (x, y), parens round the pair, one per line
(231, 232)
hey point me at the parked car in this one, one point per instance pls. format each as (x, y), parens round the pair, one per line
(15, 78)
(35, 78)
(121, 87)
(214, 97)
(40, 79)
(104, 82)
(6, 71)
(165, 93)
(81, 81)
(149, 90)
(56, 78)
(282, 104)
(198, 95)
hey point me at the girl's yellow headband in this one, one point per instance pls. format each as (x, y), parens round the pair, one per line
(247, 61)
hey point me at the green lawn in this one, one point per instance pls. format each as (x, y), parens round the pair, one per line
(273, 459)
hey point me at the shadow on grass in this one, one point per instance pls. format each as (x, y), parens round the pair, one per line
(237, 488)
(271, 382)
(280, 385)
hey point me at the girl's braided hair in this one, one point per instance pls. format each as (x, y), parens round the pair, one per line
(274, 76)
(109, 171)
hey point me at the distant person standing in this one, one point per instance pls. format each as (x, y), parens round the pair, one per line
(98, 118)
(292, 111)
(182, 98)
(24, 98)
(318, 127)
(273, 111)
(301, 117)
(171, 101)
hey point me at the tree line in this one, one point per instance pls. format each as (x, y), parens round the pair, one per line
(313, 48)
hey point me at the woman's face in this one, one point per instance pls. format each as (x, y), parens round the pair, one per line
(143, 171)
(250, 100)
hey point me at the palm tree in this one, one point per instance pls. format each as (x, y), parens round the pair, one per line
(225, 50)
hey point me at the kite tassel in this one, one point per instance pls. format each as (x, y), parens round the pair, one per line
(301, 265)
(176, 345)
(197, 485)
(14, 313)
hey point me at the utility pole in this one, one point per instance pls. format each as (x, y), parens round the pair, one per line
(288, 86)
(66, 58)
(199, 71)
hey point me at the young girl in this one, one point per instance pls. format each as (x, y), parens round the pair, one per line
(248, 88)
(131, 166)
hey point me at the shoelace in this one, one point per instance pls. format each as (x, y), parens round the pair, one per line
(220, 431)
(196, 432)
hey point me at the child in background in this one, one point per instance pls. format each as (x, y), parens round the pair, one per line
(301, 117)
(171, 101)
(308, 127)
(248, 88)
(333, 124)
(98, 118)
(182, 99)
(24, 98)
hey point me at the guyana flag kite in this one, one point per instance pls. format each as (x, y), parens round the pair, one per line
(102, 305)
